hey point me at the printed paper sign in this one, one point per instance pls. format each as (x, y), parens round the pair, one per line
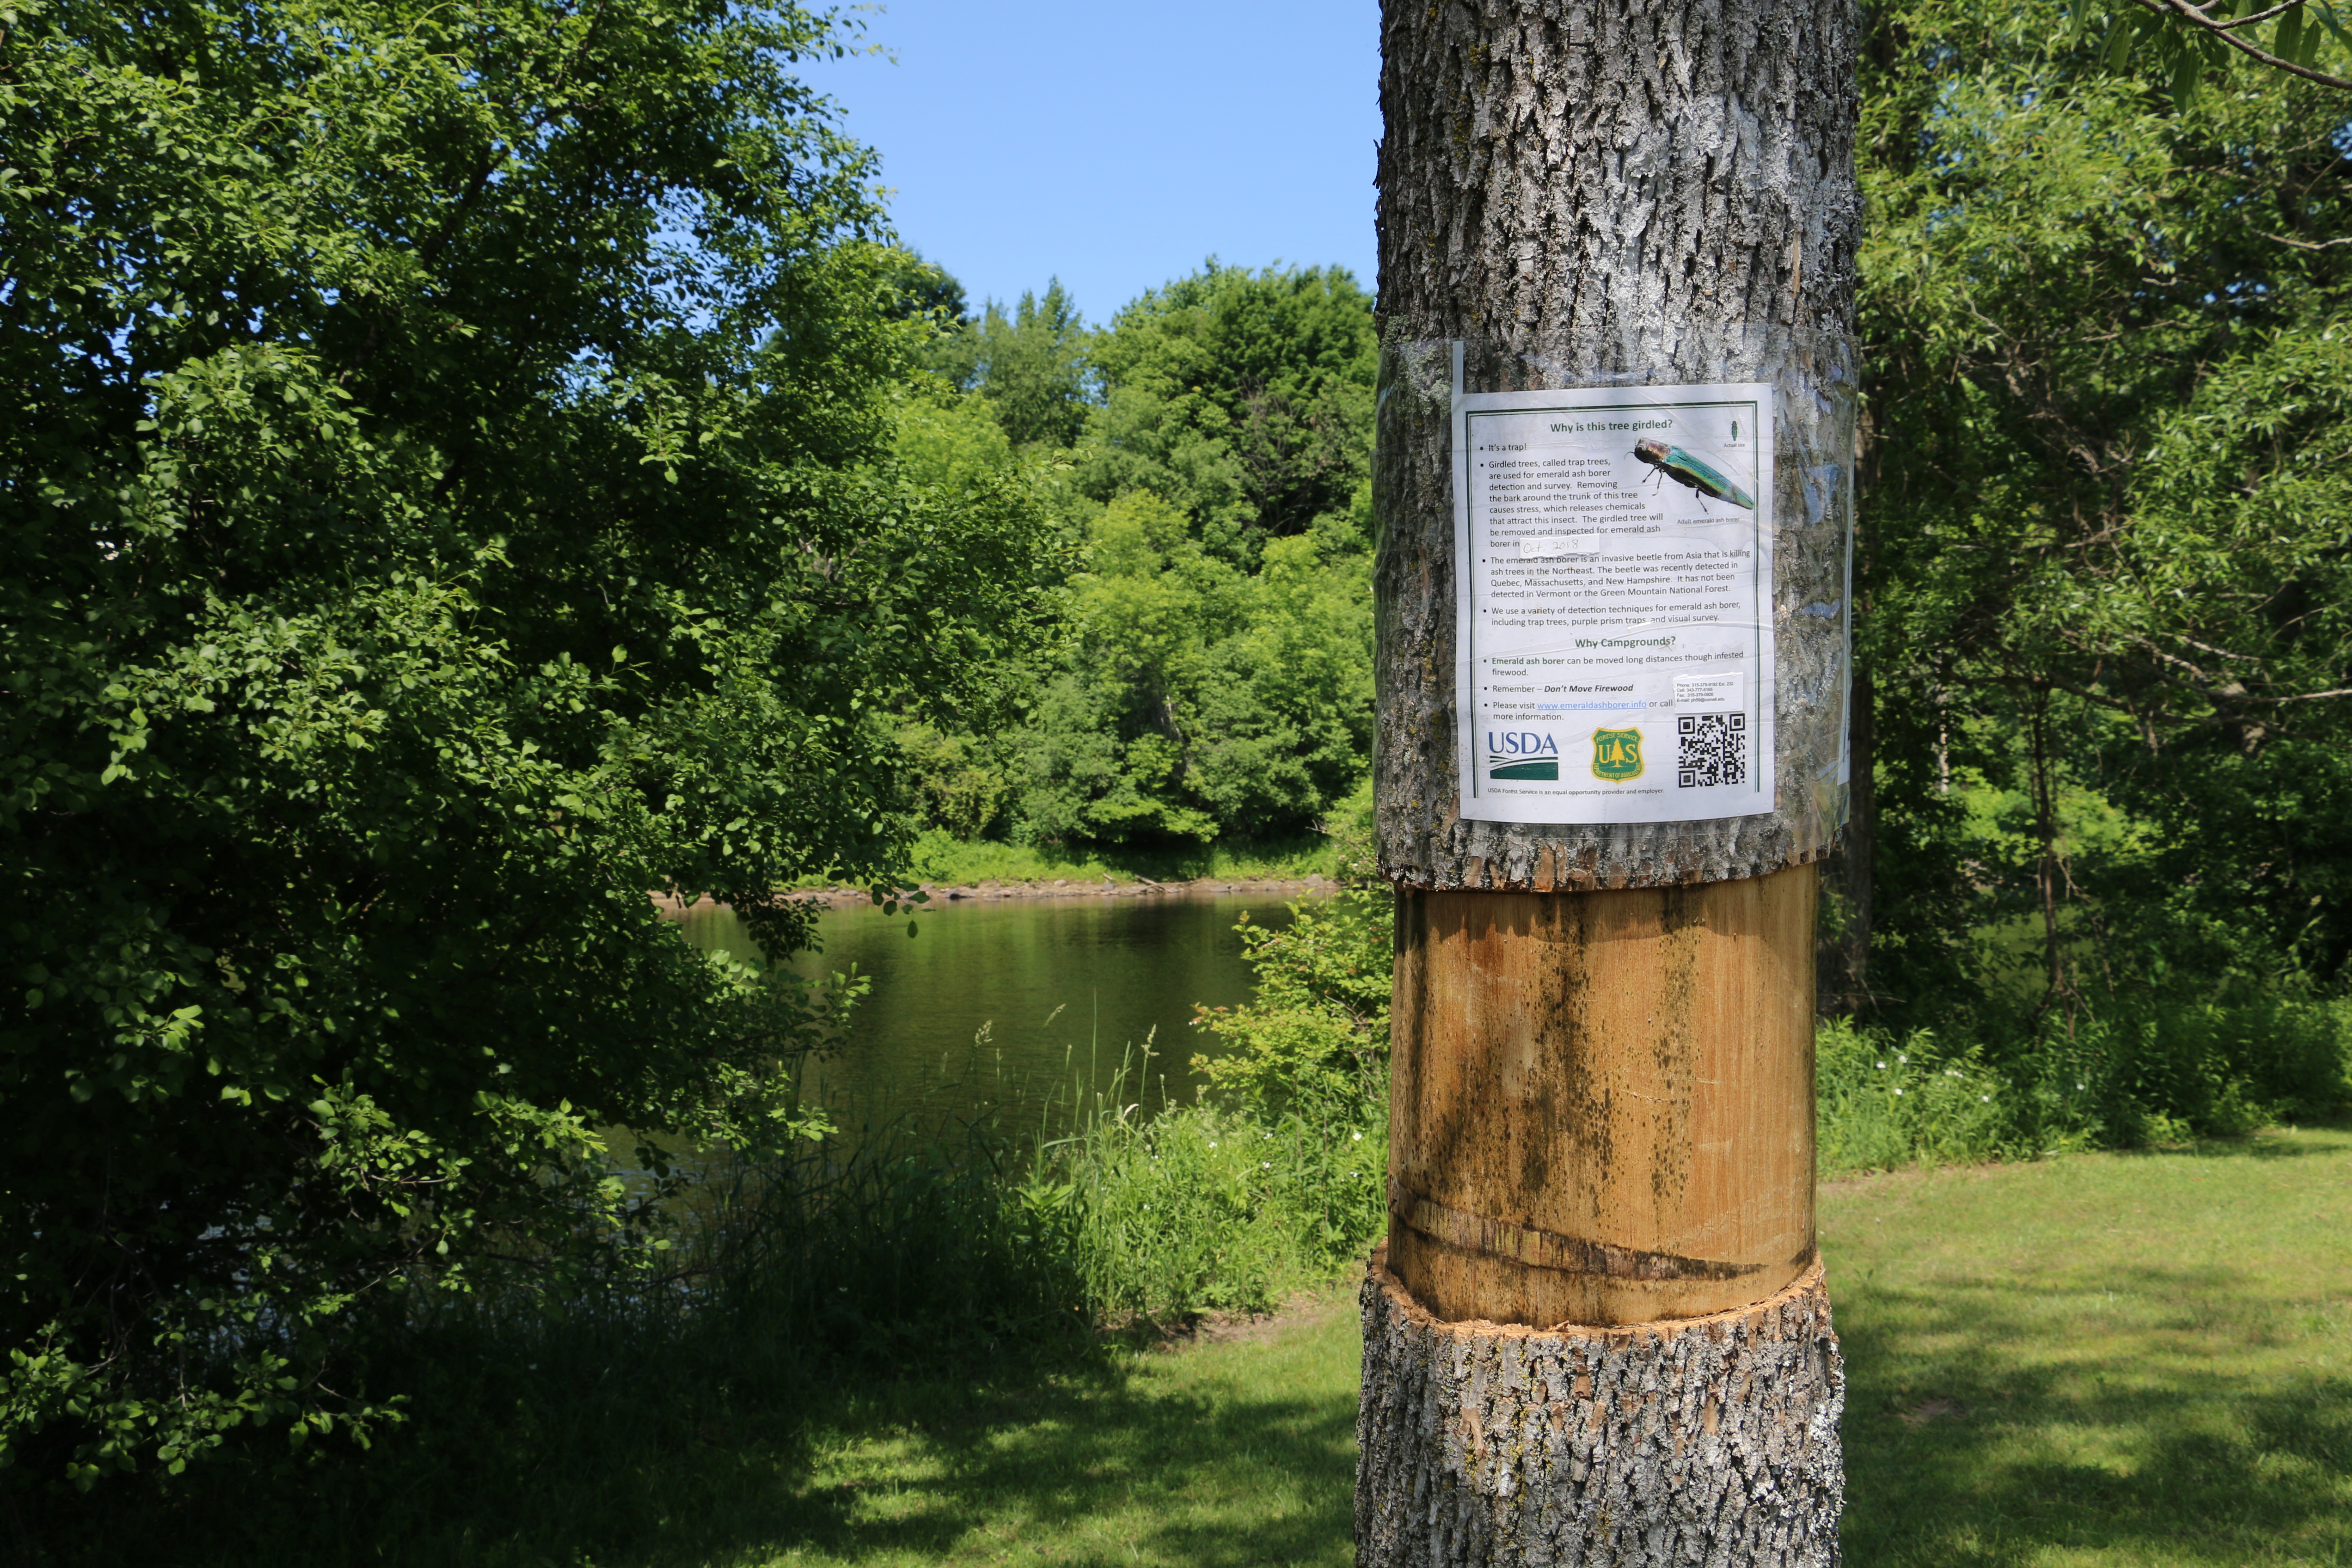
(1614, 614)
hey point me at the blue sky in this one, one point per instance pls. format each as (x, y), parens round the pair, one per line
(1117, 144)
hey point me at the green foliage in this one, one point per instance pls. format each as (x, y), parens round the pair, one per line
(1244, 398)
(2184, 49)
(1355, 840)
(1217, 683)
(446, 498)
(939, 857)
(2153, 1071)
(925, 292)
(1315, 1033)
(2105, 526)
(950, 440)
(1886, 1101)
(1200, 1209)
(1198, 699)
(959, 781)
(1031, 366)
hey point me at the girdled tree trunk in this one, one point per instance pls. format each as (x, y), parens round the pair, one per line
(1606, 1338)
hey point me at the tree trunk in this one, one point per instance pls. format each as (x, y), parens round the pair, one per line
(1581, 198)
(1708, 1440)
(1605, 1339)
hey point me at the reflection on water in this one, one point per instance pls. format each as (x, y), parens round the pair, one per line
(1064, 988)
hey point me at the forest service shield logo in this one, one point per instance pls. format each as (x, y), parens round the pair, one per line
(1617, 755)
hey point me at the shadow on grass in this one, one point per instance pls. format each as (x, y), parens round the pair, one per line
(2259, 1145)
(1968, 1445)
(1083, 1464)
(1100, 1470)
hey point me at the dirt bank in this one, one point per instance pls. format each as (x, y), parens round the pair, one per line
(1072, 887)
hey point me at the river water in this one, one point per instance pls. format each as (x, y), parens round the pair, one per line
(1033, 1001)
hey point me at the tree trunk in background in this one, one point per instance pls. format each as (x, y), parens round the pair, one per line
(1600, 1334)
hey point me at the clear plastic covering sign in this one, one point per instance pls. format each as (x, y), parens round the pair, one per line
(1615, 590)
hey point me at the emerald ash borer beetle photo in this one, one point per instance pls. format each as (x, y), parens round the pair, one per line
(1673, 463)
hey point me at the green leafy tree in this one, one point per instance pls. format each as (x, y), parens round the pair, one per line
(926, 291)
(445, 497)
(950, 439)
(1315, 1036)
(2106, 519)
(1198, 699)
(2187, 43)
(1031, 366)
(1244, 397)
(1217, 682)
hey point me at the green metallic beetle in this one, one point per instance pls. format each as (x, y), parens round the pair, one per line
(1672, 462)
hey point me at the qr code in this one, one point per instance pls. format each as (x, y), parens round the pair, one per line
(1711, 749)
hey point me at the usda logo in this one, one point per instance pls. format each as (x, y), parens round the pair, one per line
(1522, 754)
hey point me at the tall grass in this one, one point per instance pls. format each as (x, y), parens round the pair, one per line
(2148, 1070)
(1029, 1229)
(1205, 1207)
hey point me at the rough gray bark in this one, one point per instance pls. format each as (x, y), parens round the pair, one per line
(1708, 1441)
(1585, 193)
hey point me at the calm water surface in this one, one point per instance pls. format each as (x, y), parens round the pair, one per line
(1056, 991)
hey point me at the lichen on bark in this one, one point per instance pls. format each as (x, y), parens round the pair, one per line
(1709, 1440)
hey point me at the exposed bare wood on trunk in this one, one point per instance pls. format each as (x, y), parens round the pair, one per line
(1629, 1073)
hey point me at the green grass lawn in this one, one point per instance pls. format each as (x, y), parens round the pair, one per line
(2105, 1359)
(2114, 1358)
(2117, 1359)
(1224, 1453)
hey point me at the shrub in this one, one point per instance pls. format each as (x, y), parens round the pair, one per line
(1316, 1034)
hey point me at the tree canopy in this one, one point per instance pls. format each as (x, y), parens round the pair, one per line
(2107, 516)
(1209, 452)
(446, 497)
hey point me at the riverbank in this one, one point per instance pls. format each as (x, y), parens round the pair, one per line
(954, 871)
(1133, 886)
(841, 898)
(1056, 870)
